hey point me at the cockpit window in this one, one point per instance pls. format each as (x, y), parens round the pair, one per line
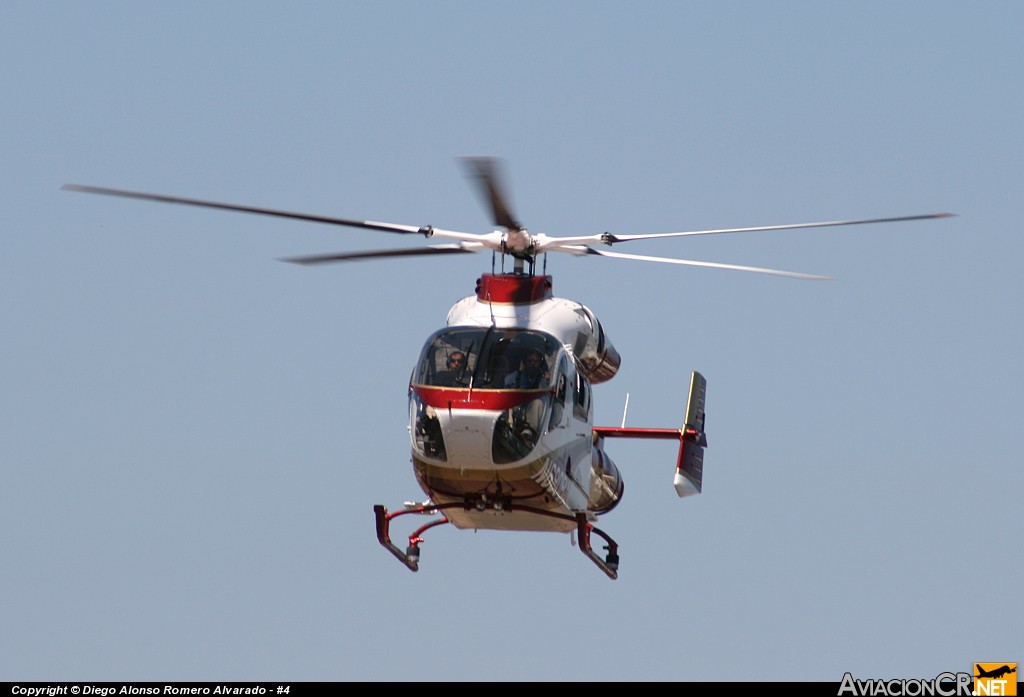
(487, 357)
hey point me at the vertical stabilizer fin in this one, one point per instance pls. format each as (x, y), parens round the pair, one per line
(690, 467)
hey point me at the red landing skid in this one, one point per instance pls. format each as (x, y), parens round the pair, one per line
(411, 556)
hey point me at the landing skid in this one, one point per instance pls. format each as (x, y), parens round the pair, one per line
(411, 556)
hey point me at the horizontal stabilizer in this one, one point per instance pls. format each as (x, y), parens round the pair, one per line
(692, 441)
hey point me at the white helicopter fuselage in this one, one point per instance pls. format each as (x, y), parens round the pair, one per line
(501, 422)
(513, 422)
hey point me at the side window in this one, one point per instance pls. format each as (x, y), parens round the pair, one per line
(581, 397)
(561, 382)
(561, 387)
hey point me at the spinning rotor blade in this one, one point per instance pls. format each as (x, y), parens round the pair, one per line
(487, 172)
(610, 239)
(369, 224)
(380, 253)
(516, 241)
(711, 264)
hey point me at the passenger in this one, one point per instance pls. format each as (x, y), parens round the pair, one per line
(532, 375)
(456, 368)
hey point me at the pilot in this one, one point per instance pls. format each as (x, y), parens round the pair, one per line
(453, 375)
(532, 375)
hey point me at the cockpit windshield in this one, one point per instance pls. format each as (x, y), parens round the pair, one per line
(487, 357)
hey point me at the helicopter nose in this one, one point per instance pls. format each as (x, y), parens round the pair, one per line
(468, 436)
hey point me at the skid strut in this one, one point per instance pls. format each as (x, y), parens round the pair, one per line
(411, 556)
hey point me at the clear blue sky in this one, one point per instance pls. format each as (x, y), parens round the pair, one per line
(193, 434)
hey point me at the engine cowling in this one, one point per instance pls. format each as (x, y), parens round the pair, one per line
(598, 357)
(606, 485)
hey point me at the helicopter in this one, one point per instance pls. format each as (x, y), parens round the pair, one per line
(501, 411)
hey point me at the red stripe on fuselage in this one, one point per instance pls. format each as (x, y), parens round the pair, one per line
(489, 400)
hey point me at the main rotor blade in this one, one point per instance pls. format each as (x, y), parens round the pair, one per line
(487, 172)
(368, 224)
(712, 264)
(379, 254)
(610, 239)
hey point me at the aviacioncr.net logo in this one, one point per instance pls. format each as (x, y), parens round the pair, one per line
(943, 685)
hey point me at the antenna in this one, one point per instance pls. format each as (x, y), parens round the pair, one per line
(624, 409)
